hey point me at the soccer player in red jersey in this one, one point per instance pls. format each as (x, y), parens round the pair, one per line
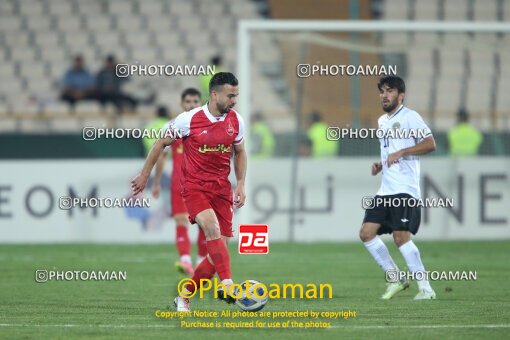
(210, 133)
(190, 99)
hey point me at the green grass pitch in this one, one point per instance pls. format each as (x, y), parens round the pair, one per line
(126, 309)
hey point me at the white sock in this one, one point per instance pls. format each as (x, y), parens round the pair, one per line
(186, 258)
(412, 256)
(379, 252)
(227, 282)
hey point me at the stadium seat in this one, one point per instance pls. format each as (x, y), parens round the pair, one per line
(31, 8)
(420, 62)
(7, 8)
(99, 23)
(120, 7)
(66, 125)
(33, 125)
(39, 23)
(60, 8)
(455, 10)
(452, 62)
(479, 90)
(448, 94)
(426, 10)
(130, 22)
(396, 10)
(47, 41)
(9, 124)
(10, 24)
(486, 10)
(88, 109)
(56, 110)
(150, 8)
(418, 93)
(18, 39)
(182, 9)
(502, 97)
(4, 111)
(22, 110)
(69, 24)
(481, 64)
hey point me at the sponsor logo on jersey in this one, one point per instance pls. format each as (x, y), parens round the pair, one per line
(220, 147)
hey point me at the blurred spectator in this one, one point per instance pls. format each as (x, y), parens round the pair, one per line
(109, 88)
(262, 139)
(162, 117)
(321, 146)
(205, 79)
(464, 139)
(305, 147)
(78, 83)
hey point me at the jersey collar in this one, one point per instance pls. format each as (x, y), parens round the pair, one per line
(211, 118)
(396, 112)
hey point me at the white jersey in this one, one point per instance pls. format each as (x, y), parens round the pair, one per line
(403, 177)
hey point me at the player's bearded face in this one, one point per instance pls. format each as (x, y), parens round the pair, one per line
(390, 98)
(226, 99)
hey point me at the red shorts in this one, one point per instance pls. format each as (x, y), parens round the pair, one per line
(198, 201)
(177, 203)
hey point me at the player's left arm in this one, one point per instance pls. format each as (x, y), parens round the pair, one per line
(240, 164)
(426, 145)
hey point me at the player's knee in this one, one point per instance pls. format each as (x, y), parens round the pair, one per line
(365, 234)
(400, 238)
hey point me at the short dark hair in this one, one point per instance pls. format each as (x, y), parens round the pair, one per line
(191, 91)
(393, 82)
(463, 115)
(222, 78)
(162, 112)
(216, 60)
(315, 117)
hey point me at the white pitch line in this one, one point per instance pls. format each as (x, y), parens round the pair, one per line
(334, 326)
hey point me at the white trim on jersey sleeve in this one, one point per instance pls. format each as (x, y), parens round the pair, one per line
(240, 136)
(182, 123)
(415, 121)
(165, 128)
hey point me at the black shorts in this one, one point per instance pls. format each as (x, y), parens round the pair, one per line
(394, 212)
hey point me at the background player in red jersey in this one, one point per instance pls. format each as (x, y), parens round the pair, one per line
(190, 99)
(210, 133)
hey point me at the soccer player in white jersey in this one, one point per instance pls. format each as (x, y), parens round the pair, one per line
(395, 211)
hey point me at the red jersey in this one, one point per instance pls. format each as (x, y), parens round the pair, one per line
(208, 143)
(177, 154)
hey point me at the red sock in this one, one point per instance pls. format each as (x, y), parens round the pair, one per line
(219, 255)
(205, 270)
(182, 240)
(201, 243)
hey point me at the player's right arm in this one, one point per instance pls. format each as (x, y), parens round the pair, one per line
(376, 168)
(140, 181)
(156, 185)
(181, 128)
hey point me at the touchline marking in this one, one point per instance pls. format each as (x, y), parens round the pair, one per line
(334, 326)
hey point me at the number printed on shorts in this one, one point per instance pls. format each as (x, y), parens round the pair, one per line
(254, 239)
